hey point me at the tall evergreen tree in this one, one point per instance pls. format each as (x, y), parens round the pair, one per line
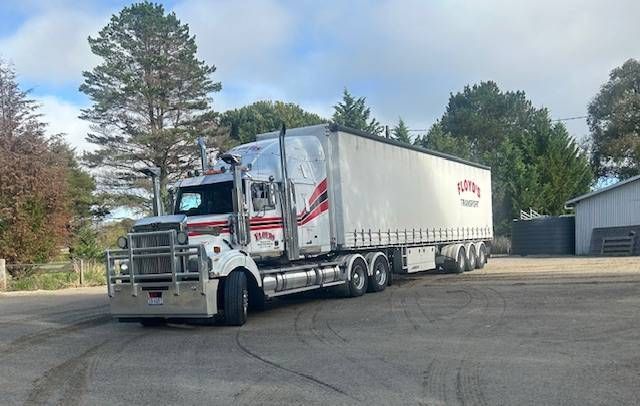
(614, 121)
(353, 113)
(264, 116)
(150, 98)
(401, 132)
(534, 162)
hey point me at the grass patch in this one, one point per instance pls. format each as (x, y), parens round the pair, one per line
(94, 275)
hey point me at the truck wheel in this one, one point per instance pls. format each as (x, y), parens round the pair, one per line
(472, 258)
(378, 281)
(236, 299)
(257, 300)
(359, 278)
(482, 256)
(460, 263)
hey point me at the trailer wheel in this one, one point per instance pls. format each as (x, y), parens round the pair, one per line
(236, 299)
(460, 264)
(358, 278)
(482, 256)
(378, 281)
(472, 258)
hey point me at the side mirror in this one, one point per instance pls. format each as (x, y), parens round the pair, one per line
(260, 203)
(272, 195)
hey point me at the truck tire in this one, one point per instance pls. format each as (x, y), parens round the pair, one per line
(472, 258)
(358, 280)
(482, 256)
(460, 264)
(378, 281)
(236, 299)
(257, 299)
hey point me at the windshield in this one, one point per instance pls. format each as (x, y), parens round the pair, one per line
(214, 198)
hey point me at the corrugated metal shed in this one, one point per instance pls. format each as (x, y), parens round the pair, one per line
(615, 206)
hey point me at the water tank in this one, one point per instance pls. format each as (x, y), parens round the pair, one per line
(544, 236)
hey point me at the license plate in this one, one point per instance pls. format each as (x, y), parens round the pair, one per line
(155, 298)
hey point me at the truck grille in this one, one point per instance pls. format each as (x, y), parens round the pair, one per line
(159, 264)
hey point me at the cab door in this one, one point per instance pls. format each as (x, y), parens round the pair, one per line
(265, 220)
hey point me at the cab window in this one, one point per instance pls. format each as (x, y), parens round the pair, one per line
(263, 196)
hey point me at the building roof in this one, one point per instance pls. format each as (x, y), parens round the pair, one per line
(603, 190)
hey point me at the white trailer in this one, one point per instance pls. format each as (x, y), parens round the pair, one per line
(323, 206)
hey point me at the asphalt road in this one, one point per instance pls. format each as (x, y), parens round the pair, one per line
(510, 339)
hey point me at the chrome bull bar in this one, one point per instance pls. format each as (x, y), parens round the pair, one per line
(179, 260)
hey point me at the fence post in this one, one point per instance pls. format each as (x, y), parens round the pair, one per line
(3, 274)
(81, 272)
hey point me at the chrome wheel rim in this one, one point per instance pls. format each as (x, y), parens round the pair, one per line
(381, 275)
(358, 277)
(245, 301)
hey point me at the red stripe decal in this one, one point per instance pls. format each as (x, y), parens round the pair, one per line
(320, 189)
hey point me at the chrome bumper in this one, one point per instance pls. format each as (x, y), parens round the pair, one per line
(190, 302)
(185, 292)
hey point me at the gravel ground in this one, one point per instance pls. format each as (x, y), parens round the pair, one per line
(521, 331)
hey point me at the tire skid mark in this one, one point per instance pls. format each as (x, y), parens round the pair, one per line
(314, 325)
(21, 319)
(335, 333)
(39, 337)
(468, 386)
(468, 383)
(296, 327)
(299, 374)
(70, 377)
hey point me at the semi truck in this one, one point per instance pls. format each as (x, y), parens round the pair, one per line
(308, 208)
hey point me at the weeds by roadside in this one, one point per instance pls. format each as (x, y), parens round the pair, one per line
(94, 275)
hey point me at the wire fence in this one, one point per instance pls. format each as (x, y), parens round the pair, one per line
(19, 270)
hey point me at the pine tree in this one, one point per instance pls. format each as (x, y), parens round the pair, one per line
(264, 116)
(401, 132)
(353, 113)
(150, 99)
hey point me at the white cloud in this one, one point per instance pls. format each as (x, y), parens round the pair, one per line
(51, 46)
(240, 38)
(405, 56)
(62, 117)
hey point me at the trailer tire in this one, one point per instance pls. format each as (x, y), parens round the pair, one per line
(482, 256)
(358, 278)
(236, 299)
(460, 264)
(472, 258)
(380, 274)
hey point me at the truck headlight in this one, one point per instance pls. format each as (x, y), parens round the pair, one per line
(124, 267)
(182, 238)
(122, 242)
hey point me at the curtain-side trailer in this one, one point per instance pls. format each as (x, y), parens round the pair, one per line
(313, 207)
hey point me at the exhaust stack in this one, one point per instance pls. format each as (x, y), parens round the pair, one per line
(289, 207)
(154, 173)
(204, 161)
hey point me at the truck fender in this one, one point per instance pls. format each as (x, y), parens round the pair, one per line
(229, 261)
(371, 259)
(346, 262)
(451, 251)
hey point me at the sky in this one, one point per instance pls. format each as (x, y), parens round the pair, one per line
(406, 57)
